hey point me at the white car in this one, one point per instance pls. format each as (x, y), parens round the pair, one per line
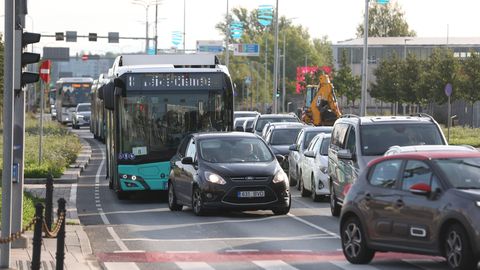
(313, 168)
(81, 115)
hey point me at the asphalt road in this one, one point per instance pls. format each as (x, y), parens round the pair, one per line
(142, 233)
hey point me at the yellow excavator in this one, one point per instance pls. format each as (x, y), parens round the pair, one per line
(322, 110)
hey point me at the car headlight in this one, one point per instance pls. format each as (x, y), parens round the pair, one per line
(214, 178)
(478, 203)
(281, 176)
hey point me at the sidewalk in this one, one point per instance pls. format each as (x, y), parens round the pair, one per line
(78, 252)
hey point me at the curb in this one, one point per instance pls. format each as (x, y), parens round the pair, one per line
(72, 173)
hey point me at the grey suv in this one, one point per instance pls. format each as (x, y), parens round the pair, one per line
(358, 140)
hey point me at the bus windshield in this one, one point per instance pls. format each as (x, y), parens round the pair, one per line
(152, 123)
(75, 93)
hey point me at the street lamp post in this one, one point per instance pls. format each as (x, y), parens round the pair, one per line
(283, 73)
(146, 5)
(275, 63)
(227, 41)
(363, 103)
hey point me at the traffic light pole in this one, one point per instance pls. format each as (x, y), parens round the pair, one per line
(7, 132)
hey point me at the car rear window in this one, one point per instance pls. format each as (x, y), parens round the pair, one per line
(83, 108)
(376, 139)
(284, 136)
(263, 121)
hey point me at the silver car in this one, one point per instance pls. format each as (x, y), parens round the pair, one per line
(81, 115)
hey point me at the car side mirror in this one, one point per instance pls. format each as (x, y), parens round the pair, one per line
(309, 154)
(345, 154)
(293, 147)
(280, 158)
(188, 161)
(420, 189)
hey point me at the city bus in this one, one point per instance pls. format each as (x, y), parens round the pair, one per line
(152, 102)
(71, 92)
(97, 118)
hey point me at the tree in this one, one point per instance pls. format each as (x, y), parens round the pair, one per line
(470, 80)
(409, 80)
(346, 84)
(386, 21)
(387, 86)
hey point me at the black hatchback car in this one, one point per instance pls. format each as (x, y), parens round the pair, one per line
(422, 202)
(237, 171)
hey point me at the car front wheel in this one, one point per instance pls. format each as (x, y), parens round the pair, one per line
(197, 202)
(335, 208)
(457, 249)
(172, 199)
(354, 243)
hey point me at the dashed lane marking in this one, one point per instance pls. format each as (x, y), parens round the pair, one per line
(274, 265)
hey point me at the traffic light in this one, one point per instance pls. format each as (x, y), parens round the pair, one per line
(59, 36)
(29, 58)
(92, 36)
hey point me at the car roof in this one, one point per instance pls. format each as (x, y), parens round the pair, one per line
(421, 148)
(243, 118)
(277, 116)
(286, 126)
(252, 112)
(379, 120)
(220, 134)
(428, 155)
(318, 128)
(84, 104)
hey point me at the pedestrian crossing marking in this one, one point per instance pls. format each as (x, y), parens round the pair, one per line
(194, 266)
(274, 265)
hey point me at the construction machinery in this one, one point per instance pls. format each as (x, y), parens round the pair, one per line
(322, 109)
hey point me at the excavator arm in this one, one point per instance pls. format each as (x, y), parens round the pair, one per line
(324, 107)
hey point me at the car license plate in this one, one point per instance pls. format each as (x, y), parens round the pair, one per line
(251, 194)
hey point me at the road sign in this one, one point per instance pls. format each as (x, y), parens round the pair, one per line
(213, 46)
(246, 49)
(151, 51)
(45, 71)
(448, 89)
(383, 2)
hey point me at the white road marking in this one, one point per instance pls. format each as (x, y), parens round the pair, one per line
(121, 266)
(291, 238)
(313, 225)
(420, 263)
(348, 266)
(194, 266)
(97, 184)
(274, 265)
(296, 250)
(117, 239)
(73, 201)
(129, 251)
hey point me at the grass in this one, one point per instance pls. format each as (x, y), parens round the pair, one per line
(461, 135)
(60, 148)
(29, 202)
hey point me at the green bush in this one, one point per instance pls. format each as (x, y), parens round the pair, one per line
(29, 202)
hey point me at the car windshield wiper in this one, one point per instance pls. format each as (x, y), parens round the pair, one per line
(468, 187)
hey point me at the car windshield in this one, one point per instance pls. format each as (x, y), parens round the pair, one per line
(284, 136)
(308, 138)
(324, 147)
(234, 150)
(83, 108)
(263, 121)
(376, 139)
(462, 173)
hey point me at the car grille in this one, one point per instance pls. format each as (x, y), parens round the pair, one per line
(250, 178)
(232, 197)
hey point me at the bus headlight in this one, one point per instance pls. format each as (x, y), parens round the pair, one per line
(214, 178)
(281, 176)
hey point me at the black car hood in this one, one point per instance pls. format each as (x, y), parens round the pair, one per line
(280, 149)
(243, 169)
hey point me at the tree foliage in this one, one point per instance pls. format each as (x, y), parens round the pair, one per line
(386, 21)
(387, 86)
(346, 84)
(298, 45)
(470, 78)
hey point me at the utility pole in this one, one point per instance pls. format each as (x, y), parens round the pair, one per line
(283, 73)
(7, 132)
(275, 63)
(363, 99)
(227, 41)
(156, 29)
(184, 20)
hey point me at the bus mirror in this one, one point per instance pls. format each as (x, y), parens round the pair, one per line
(100, 92)
(121, 86)
(109, 96)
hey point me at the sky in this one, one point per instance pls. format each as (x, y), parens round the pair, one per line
(336, 19)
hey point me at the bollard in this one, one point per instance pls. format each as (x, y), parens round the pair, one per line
(37, 237)
(49, 202)
(60, 255)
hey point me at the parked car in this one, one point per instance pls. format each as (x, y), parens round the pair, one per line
(263, 119)
(358, 140)
(313, 169)
(237, 114)
(280, 137)
(81, 115)
(248, 124)
(296, 150)
(238, 123)
(422, 148)
(234, 170)
(416, 202)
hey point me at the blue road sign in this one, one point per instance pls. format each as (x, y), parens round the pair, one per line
(383, 2)
(448, 89)
(247, 50)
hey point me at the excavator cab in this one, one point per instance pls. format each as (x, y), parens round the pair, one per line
(323, 109)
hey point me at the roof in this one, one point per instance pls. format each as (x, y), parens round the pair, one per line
(276, 126)
(375, 120)
(412, 41)
(170, 59)
(421, 148)
(277, 116)
(166, 68)
(212, 135)
(425, 155)
(317, 128)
